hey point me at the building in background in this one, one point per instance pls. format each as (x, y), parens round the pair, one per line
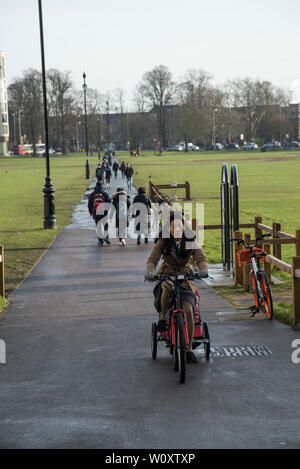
(4, 127)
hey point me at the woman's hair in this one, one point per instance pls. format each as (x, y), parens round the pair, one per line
(141, 190)
(187, 236)
(119, 189)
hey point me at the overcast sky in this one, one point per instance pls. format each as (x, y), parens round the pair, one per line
(116, 41)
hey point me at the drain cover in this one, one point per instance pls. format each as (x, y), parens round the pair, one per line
(236, 351)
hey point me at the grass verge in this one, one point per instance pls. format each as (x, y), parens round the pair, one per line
(22, 207)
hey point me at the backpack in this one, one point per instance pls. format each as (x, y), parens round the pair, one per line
(98, 201)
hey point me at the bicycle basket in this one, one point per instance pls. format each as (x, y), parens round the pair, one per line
(244, 256)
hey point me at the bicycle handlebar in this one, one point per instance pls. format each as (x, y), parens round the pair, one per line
(258, 238)
(188, 276)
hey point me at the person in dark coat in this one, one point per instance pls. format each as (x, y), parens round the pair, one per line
(98, 196)
(141, 198)
(99, 173)
(116, 168)
(123, 167)
(121, 202)
(129, 173)
(107, 176)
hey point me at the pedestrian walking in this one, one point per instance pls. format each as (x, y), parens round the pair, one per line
(99, 173)
(121, 202)
(123, 167)
(128, 174)
(107, 176)
(116, 168)
(96, 209)
(141, 227)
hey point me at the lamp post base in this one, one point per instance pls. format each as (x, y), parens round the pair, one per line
(49, 205)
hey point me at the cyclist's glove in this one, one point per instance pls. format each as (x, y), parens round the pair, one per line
(150, 276)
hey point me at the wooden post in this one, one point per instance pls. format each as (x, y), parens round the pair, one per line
(187, 190)
(267, 248)
(296, 289)
(276, 247)
(195, 227)
(2, 282)
(258, 231)
(246, 268)
(238, 271)
(297, 235)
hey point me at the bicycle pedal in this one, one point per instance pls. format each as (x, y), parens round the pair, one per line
(254, 310)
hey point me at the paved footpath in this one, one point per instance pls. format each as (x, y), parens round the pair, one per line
(79, 372)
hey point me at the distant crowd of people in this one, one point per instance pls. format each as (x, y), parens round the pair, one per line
(118, 203)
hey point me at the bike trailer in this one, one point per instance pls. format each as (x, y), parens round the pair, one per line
(197, 319)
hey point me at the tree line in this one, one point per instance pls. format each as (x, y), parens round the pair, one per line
(192, 109)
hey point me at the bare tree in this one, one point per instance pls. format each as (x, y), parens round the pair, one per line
(61, 103)
(157, 86)
(26, 94)
(140, 98)
(255, 97)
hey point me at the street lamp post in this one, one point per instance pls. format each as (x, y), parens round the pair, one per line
(107, 124)
(49, 205)
(214, 127)
(87, 166)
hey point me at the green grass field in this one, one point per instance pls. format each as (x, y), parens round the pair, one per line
(22, 207)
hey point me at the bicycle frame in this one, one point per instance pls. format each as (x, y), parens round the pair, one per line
(256, 270)
(174, 310)
(261, 287)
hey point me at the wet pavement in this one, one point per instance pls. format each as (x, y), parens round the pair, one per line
(79, 372)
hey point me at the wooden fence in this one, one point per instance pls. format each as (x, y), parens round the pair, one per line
(155, 190)
(278, 239)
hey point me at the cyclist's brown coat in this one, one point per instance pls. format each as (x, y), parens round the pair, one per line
(173, 263)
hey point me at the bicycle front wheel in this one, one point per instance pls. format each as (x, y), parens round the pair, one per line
(180, 347)
(267, 296)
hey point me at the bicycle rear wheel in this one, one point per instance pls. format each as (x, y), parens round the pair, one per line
(180, 348)
(267, 295)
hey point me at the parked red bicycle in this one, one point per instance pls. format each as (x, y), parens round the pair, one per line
(260, 285)
(176, 335)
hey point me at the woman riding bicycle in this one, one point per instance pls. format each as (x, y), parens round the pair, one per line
(177, 254)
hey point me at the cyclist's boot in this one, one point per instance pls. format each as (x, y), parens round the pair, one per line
(191, 358)
(162, 325)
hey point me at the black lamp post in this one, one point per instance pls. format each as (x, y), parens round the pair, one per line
(87, 166)
(49, 204)
(107, 125)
